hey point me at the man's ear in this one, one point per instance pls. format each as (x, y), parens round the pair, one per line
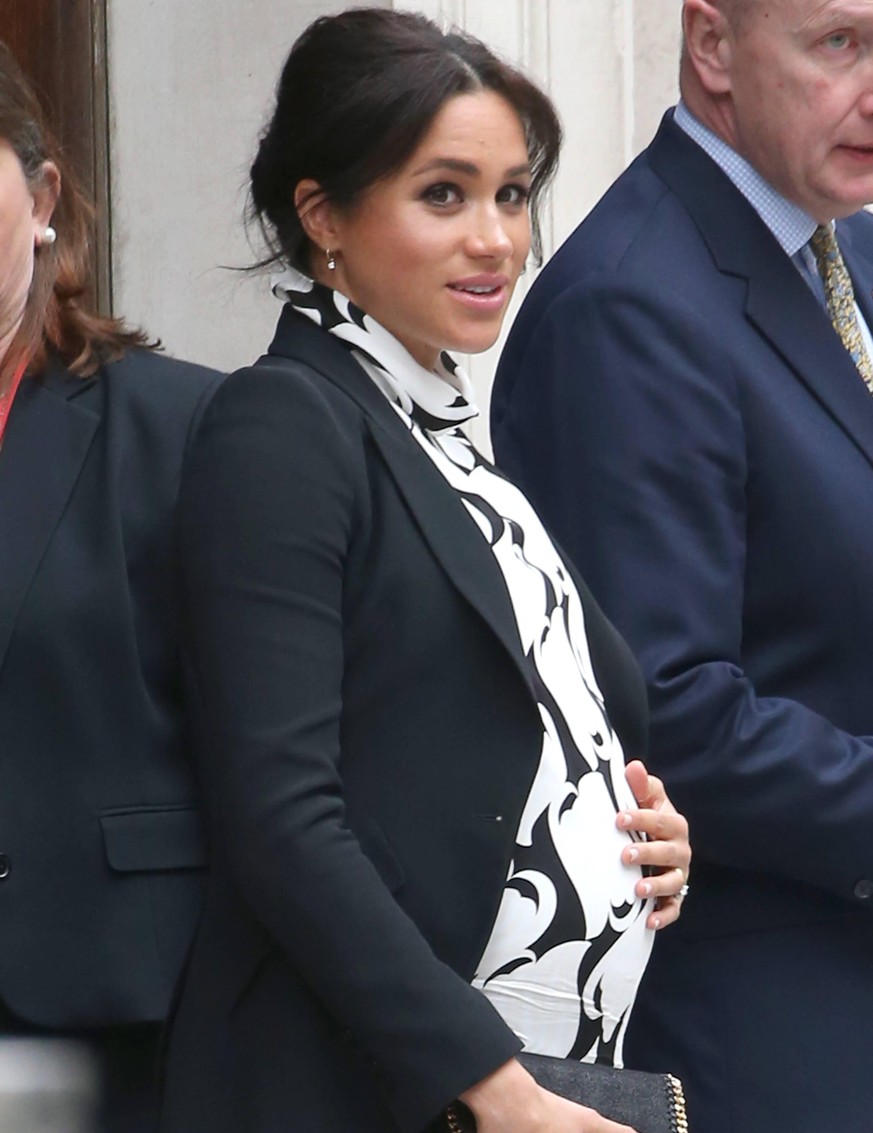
(317, 214)
(708, 44)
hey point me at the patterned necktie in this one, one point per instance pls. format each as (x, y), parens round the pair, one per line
(841, 298)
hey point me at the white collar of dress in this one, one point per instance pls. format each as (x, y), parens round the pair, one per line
(437, 400)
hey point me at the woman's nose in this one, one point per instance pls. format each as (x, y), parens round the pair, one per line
(488, 235)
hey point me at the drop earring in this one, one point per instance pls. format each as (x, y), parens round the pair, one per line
(331, 260)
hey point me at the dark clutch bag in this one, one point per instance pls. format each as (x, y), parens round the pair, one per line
(648, 1103)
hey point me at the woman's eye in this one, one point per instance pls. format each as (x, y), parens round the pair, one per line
(513, 195)
(443, 194)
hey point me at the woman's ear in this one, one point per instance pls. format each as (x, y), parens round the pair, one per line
(44, 191)
(317, 215)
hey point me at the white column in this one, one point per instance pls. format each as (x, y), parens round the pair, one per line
(610, 66)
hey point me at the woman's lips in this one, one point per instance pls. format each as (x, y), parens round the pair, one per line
(481, 292)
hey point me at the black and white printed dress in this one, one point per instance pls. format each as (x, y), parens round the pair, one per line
(569, 944)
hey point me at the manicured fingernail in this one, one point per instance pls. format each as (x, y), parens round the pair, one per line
(656, 923)
(624, 819)
(631, 855)
(647, 888)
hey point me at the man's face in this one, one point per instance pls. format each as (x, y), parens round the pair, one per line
(801, 84)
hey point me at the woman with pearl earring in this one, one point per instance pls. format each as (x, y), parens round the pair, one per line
(100, 850)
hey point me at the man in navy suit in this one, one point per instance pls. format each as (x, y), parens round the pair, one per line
(686, 396)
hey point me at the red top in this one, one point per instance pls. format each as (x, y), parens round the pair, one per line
(9, 396)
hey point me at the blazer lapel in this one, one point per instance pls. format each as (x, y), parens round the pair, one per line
(858, 262)
(452, 536)
(447, 528)
(807, 341)
(46, 442)
(779, 302)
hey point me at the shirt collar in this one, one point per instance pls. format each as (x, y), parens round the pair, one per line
(791, 226)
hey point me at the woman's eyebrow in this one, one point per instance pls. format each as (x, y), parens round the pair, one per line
(467, 167)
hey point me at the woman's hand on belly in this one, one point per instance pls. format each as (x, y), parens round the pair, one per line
(666, 852)
(510, 1101)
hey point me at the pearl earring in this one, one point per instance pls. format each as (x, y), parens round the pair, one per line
(49, 236)
(331, 260)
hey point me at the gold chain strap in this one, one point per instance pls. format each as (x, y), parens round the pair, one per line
(679, 1109)
(452, 1120)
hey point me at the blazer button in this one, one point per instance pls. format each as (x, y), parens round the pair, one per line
(864, 889)
(5, 866)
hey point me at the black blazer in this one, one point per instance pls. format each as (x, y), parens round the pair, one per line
(368, 741)
(98, 835)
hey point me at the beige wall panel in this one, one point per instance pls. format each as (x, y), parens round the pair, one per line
(190, 87)
(657, 40)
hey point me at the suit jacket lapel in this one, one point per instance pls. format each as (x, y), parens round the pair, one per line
(46, 441)
(448, 529)
(779, 302)
(858, 262)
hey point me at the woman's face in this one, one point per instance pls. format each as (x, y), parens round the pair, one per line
(433, 252)
(24, 213)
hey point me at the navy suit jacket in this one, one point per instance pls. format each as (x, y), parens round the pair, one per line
(677, 405)
(369, 739)
(100, 874)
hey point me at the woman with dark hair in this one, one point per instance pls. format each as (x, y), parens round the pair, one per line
(99, 840)
(412, 718)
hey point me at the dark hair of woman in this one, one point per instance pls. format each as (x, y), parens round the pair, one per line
(56, 318)
(392, 72)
